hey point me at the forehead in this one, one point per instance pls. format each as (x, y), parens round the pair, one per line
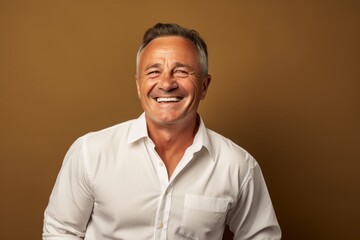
(170, 47)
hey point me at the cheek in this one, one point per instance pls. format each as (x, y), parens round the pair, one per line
(144, 87)
(192, 86)
(198, 90)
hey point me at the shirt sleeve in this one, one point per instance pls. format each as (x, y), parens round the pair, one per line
(71, 202)
(253, 216)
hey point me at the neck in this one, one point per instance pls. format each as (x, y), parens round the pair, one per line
(172, 133)
(171, 141)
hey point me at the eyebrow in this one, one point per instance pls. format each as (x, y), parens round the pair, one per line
(155, 65)
(179, 64)
(158, 65)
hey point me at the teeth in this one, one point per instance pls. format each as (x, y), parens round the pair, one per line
(168, 99)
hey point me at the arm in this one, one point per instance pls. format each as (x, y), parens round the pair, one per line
(253, 216)
(71, 201)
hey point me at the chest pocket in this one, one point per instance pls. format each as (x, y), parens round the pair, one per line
(203, 217)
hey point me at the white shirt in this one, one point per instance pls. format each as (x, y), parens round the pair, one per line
(113, 185)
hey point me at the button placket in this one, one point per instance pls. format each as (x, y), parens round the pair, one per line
(163, 214)
(163, 176)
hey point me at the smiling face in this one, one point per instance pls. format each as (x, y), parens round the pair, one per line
(168, 81)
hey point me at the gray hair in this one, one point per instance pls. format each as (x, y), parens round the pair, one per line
(170, 29)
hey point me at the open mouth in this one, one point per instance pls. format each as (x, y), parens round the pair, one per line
(168, 99)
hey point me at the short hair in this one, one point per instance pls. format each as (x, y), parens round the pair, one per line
(171, 29)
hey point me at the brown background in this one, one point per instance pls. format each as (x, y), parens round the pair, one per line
(286, 86)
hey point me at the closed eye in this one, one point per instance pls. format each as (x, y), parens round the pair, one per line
(153, 73)
(180, 73)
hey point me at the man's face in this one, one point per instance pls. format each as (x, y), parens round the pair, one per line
(168, 81)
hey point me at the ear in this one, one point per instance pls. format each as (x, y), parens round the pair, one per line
(137, 81)
(205, 85)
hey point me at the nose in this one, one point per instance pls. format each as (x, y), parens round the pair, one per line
(167, 82)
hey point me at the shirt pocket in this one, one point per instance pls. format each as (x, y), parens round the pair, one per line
(203, 217)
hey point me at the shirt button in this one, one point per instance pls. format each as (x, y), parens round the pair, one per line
(160, 225)
(161, 164)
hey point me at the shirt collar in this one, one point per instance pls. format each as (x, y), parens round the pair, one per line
(138, 130)
(202, 139)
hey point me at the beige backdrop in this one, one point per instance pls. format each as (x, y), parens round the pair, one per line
(286, 86)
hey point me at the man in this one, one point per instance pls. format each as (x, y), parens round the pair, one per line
(163, 175)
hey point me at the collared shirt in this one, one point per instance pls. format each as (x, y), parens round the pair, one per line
(113, 185)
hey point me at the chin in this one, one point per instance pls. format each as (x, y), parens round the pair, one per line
(167, 120)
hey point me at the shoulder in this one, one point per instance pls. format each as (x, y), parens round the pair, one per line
(223, 146)
(120, 130)
(106, 138)
(230, 155)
